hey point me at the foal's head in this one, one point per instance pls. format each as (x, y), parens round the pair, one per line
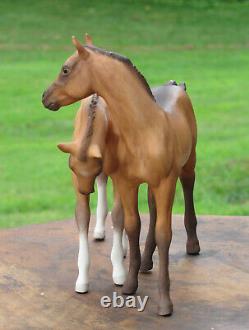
(86, 167)
(73, 82)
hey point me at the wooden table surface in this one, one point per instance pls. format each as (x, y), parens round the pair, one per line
(38, 270)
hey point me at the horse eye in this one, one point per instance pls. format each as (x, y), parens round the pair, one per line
(65, 71)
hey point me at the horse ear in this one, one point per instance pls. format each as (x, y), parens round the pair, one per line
(80, 48)
(88, 39)
(66, 147)
(94, 151)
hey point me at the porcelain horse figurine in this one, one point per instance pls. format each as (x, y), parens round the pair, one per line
(119, 249)
(155, 145)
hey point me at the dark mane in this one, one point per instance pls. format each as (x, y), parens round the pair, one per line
(89, 126)
(127, 62)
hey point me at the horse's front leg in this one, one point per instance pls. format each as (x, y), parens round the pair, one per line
(129, 197)
(117, 254)
(102, 208)
(164, 197)
(82, 215)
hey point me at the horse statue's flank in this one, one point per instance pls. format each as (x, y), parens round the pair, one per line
(156, 146)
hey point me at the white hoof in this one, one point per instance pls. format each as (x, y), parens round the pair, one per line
(119, 279)
(99, 234)
(81, 287)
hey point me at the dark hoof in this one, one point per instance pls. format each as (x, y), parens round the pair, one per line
(165, 308)
(193, 248)
(146, 266)
(130, 287)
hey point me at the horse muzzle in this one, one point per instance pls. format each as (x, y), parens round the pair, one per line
(53, 106)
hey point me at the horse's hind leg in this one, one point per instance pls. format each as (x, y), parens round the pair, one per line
(150, 244)
(102, 208)
(188, 180)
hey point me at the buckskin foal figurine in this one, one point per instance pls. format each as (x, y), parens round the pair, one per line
(156, 146)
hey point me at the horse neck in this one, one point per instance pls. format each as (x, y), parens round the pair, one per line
(132, 110)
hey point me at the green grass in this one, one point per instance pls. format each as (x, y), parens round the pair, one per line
(204, 43)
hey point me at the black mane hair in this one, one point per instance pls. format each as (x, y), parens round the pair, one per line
(127, 62)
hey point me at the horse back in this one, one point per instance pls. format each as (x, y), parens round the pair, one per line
(176, 103)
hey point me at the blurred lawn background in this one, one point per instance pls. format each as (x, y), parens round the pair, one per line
(204, 43)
